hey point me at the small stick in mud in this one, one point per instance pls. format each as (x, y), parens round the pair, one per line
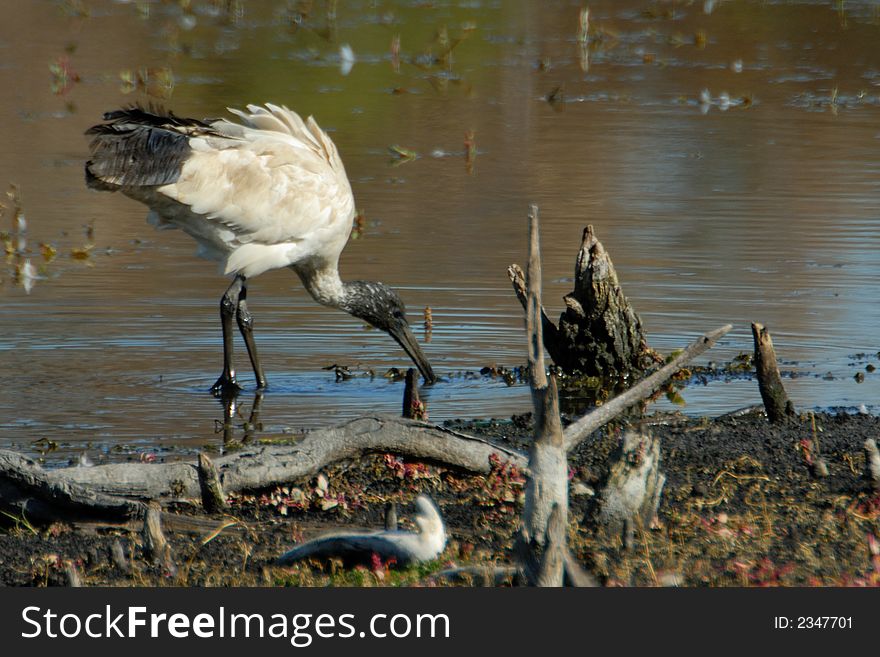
(213, 498)
(872, 462)
(413, 406)
(117, 555)
(156, 546)
(391, 517)
(73, 579)
(776, 402)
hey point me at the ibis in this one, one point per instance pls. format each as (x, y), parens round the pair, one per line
(265, 192)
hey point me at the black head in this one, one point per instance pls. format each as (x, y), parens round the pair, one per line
(380, 306)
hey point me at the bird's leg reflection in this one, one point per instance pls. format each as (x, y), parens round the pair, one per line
(231, 411)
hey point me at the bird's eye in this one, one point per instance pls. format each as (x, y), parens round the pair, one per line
(397, 314)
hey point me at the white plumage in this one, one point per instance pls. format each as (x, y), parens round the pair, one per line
(266, 193)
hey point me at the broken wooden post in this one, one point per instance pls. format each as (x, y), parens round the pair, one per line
(630, 495)
(776, 402)
(872, 463)
(599, 333)
(546, 489)
(413, 406)
(213, 498)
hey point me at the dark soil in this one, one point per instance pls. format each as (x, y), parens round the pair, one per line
(741, 506)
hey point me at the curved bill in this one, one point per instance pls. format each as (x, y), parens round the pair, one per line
(404, 337)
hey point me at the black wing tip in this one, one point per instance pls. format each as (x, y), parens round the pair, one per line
(152, 115)
(94, 182)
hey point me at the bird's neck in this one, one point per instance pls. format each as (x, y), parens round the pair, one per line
(322, 281)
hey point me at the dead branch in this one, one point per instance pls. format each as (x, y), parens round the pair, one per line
(546, 490)
(602, 415)
(548, 328)
(108, 489)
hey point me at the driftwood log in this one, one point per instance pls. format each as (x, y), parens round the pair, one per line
(776, 402)
(117, 491)
(599, 333)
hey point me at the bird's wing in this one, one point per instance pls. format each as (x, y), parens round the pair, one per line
(355, 548)
(275, 179)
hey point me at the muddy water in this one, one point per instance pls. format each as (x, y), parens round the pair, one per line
(757, 199)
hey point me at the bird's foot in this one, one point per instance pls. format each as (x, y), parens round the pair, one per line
(226, 387)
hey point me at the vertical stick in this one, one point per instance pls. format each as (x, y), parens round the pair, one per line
(547, 485)
(776, 401)
(411, 394)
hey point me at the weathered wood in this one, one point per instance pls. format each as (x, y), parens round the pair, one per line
(872, 463)
(552, 568)
(599, 332)
(546, 489)
(581, 429)
(630, 495)
(776, 402)
(213, 497)
(548, 328)
(258, 467)
(33, 492)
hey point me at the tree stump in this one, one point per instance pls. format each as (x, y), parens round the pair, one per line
(599, 333)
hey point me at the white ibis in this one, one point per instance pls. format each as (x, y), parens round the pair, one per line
(402, 546)
(269, 192)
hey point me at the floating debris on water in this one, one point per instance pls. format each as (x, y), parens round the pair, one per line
(346, 59)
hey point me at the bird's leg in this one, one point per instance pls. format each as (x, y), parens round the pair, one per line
(246, 326)
(226, 385)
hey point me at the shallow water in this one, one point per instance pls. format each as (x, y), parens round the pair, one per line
(762, 204)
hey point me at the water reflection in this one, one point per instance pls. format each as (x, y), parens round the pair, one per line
(767, 211)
